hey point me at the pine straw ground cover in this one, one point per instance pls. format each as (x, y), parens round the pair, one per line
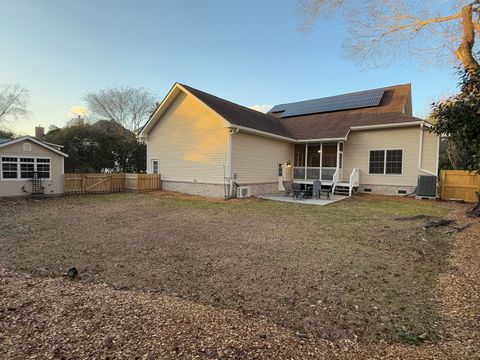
(102, 236)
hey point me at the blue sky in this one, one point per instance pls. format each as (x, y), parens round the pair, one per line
(249, 52)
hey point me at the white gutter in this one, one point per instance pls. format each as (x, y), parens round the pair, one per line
(266, 134)
(381, 126)
(320, 140)
(366, 127)
(259, 132)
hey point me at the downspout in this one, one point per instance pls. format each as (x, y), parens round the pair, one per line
(420, 148)
(231, 131)
(420, 154)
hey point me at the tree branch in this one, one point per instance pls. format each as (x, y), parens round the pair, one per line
(464, 51)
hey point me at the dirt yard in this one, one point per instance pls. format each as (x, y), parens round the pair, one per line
(344, 271)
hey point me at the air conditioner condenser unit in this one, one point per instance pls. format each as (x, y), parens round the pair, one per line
(243, 192)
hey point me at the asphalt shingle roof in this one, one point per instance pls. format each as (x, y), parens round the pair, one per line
(335, 124)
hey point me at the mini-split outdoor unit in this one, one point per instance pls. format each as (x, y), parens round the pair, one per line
(243, 192)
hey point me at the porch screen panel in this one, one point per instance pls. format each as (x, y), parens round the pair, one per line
(299, 161)
(299, 155)
(313, 162)
(329, 155)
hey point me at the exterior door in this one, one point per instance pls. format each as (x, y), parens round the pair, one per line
(284, 173)
(154, 166)
(281, 175)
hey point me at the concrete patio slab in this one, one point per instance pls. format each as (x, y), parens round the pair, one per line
(281, 197)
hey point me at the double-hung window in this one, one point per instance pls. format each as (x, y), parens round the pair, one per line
(43, 168)
(18, 168)
(27, 168)
(9, 167)
(386, 162)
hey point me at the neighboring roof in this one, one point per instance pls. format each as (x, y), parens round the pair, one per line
(393, 109)
(2, 140)
(36, 141)
(240, 115)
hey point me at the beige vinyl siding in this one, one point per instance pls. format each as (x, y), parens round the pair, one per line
(430, 151)
(255, 158)
(190, 142)
(13, 187)
(358, 144)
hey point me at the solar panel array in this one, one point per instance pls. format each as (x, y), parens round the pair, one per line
(350, 101)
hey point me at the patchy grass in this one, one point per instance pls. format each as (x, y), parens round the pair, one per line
(341, 271)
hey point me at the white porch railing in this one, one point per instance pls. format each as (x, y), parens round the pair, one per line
(354, 180)
(337, 177)
(313, 173)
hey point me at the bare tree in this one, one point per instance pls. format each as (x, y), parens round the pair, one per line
(13, 101)
(128, 106)
(384, 30)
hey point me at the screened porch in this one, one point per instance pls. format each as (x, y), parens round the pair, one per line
(317, 161)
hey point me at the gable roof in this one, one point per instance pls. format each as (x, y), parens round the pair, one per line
(240, 115)
(393, 109)
(36, 141)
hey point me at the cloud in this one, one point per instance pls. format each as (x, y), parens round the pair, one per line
(261, 107)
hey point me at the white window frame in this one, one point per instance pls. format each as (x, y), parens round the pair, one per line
(158, 166)
(385, 161)
(9, 162)
(18, 157)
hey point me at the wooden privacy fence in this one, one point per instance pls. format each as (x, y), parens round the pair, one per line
(109, 183)
(459, 185)
(142, 182)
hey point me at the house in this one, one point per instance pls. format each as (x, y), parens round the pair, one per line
(30, 166)
(366, 141)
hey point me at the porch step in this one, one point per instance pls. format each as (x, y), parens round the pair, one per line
(342, 189)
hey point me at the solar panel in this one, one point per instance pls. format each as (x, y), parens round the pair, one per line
(350, 101)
